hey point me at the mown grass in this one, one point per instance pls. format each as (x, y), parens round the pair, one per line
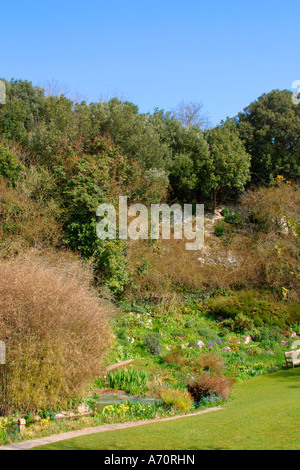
(265, 415)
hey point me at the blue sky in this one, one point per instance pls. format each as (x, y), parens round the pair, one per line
(155, 53)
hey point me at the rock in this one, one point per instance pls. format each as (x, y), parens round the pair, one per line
(200, 344)
(248, 340)
(60, 416)
(83, 408)
(226, 349)
(22, 424)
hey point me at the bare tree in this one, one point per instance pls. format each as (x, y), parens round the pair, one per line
(191, 113)
(54, 88)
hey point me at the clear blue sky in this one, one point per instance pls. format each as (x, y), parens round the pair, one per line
(224, 53)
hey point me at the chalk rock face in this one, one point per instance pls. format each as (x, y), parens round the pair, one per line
(248, 340)
(200, 344)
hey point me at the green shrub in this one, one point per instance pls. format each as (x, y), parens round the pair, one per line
(10, 164)
(153, 343)
(242, 323)
(231, 217)
(219, 230)
(255, 306)
(207, 334)
(268, 334)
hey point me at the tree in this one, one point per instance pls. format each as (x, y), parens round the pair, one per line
(270, 130)
(131, 131)
(230, 163)
(189, 168)
(191, 114)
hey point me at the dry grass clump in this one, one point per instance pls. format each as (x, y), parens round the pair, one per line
(56, 332)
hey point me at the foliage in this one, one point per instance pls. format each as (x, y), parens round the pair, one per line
(246, 307)
(55, 328)
(128, 380)
(128, 411)
(211, 362)
(10, 164)
(206, 385)
(231, 217)
(153, 342)
(230, 162)
(179, 399)
(270, 129)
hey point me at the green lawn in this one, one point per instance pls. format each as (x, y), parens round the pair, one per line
(264, 415)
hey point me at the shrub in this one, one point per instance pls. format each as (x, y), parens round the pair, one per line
(231, 217)
(10, 164)
(211, 362)
(219, 230)
(181, 400)
(24, 222)
(176, 356)
(153, 343)
(206, 385)
(55, 328)
(207, 334)
(268, 334)
(242, 323)
(249, 306)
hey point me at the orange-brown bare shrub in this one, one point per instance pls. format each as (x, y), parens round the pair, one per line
(207, 384)
(56, 332)
(211, 362)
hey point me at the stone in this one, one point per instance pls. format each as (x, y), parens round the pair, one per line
(22, 424)
(248, 340)
(200, 344)
(60, 416)
(83, 408)
(226, 349)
